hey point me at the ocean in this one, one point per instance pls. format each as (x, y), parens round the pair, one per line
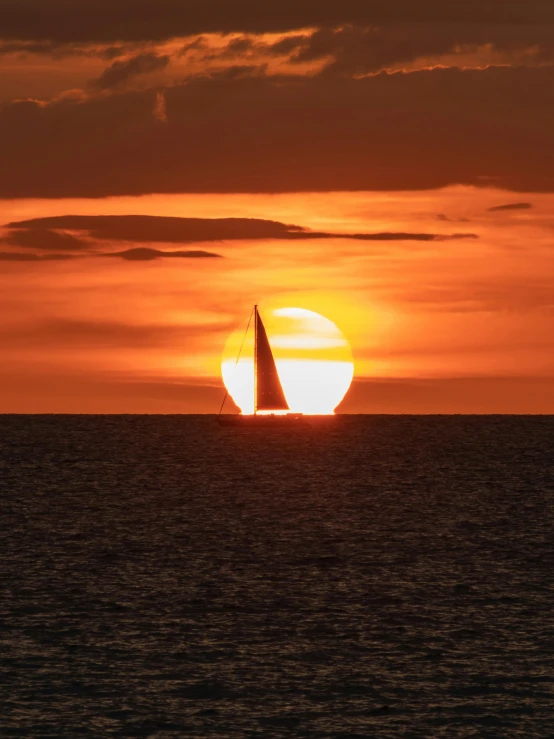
(388, 576)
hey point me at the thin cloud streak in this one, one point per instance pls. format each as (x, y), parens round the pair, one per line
(22, 257)
(148, 255)
(510, 206)
(63, 332)
(178, 230)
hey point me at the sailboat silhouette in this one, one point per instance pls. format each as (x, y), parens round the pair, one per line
(270, 404)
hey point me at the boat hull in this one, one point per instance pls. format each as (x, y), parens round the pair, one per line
(291, 420)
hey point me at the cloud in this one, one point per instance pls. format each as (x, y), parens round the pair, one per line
(353, 51)
(434, 128)
(121, 72)
(178, 230)
(511, 206)
(57, 50)
(46, 47)
(89, 332)
(289, 44)
(147, 255)
(120, 20)
(399, 236)
(34, 235)
(43, 238)
(239, 45)
(163, 229)
(239, 71)
(446, 219)
(343, 49)
(7, 256)
(359, 50)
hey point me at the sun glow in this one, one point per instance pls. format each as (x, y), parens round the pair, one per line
(313, 359)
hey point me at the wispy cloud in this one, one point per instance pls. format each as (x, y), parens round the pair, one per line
(121, 72)
(50, 332)
(6, 256)
(511, 206)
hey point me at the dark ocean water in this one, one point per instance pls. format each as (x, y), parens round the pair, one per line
(387, 577)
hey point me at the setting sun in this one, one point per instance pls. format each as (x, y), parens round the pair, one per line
(313, 359)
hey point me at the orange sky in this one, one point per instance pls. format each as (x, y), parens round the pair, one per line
(98, 333)
(397, 159)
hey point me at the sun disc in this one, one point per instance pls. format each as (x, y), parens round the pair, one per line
(313, 358)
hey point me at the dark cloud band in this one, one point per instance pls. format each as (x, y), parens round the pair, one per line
(388, 132)
(159, 229)
(121, 20)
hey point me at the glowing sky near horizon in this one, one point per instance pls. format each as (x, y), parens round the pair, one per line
(421, 310)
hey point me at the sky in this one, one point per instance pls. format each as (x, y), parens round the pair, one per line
(167, 164)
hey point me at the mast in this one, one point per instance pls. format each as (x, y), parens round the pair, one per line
(255, 359)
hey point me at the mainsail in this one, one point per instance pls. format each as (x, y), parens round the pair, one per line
(269, 392)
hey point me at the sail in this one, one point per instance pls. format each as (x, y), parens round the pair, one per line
(269, 393)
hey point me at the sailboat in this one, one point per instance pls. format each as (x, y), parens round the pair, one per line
(270, 404)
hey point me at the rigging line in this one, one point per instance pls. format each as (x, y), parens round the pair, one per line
(238, 357)
(211, 474)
